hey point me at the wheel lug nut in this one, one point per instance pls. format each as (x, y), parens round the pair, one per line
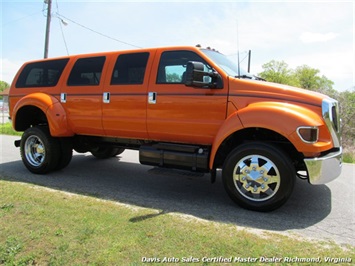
(254, 168)
(262, 171)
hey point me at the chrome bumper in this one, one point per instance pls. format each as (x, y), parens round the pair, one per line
(324, 169)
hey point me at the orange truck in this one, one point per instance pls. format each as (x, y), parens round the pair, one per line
(180, 107)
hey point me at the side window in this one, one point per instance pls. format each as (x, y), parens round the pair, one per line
(172, 66)
(129, 69)
(41, 74)
(86, 71)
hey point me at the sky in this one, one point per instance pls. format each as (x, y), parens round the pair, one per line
(319, 34)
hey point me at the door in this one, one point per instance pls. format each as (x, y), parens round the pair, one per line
(81, 96)
(125, 95)
(177, 113)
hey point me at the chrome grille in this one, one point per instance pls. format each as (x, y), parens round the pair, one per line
(330, 112)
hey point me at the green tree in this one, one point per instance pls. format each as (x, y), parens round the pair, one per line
(279, 72)
(308, 78)
(173, 77)
(3, 85)
(347, 113)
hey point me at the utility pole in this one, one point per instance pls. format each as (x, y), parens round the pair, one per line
(46, 42)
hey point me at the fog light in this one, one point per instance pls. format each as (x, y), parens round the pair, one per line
(308, 134)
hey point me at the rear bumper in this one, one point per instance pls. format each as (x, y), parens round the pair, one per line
(324, 169)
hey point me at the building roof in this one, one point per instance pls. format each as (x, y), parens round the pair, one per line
(5, 92)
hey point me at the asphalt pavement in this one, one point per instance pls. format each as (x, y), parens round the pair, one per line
(322, 212)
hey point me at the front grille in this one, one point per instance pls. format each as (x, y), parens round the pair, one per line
(335, 118)
(330, 112)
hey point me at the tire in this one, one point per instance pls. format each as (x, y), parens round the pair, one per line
(106, 152)
(40, 152)
(66, 148)
(119, 151)
(258, 176)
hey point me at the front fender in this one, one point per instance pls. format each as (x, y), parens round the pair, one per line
(283, 118)
(51, 107)
(230, 125)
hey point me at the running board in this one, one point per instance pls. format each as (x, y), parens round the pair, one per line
(187, 157)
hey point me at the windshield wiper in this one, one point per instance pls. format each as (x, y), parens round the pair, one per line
(259, 78)
(250, 77)
(244, 77)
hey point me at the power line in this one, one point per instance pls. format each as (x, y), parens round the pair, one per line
(87, 28)
(15, 20)
(61, 28)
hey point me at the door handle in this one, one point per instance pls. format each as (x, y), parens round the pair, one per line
(63, 97)
(152, 97)
(106, 97)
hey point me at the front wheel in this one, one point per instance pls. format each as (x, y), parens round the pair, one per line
(258, 176)
(40, 152)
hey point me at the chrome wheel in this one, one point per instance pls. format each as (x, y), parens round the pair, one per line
(256, 178)
(40, 152)
(34, 151)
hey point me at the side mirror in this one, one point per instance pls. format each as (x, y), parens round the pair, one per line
(196, 77)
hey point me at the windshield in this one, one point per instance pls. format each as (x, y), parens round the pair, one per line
(227, 65)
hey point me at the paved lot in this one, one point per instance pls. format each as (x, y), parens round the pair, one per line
(321, 212)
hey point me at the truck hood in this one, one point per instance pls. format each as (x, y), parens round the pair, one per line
(249, 91)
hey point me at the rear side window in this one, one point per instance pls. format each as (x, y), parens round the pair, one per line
(87, 71)
(129, 69)
(41, 74)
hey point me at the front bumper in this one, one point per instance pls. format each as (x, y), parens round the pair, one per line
(324, 169)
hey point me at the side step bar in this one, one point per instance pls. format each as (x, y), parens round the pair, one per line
(187, 157)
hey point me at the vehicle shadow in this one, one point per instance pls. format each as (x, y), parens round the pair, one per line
(168, 191)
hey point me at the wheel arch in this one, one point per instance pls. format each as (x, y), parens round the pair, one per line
(275, 122)
(41, 109)
(254, 134)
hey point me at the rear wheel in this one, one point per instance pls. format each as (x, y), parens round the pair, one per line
(40, 152)
(258, 176)
(106, 152)
(66, 148)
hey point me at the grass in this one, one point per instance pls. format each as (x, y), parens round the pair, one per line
(6, 129)
(47, 227)
(349, 157)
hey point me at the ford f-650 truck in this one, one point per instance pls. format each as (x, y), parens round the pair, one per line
(180, 107)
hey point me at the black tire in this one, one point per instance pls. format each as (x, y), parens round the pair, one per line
(106, 152)
(66, 148)
(258, 176)
(40, 152)
(119, 151)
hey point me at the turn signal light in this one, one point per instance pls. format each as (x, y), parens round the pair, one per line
(308, 134)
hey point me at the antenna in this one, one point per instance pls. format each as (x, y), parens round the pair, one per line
(238, 49)
(249, 61)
